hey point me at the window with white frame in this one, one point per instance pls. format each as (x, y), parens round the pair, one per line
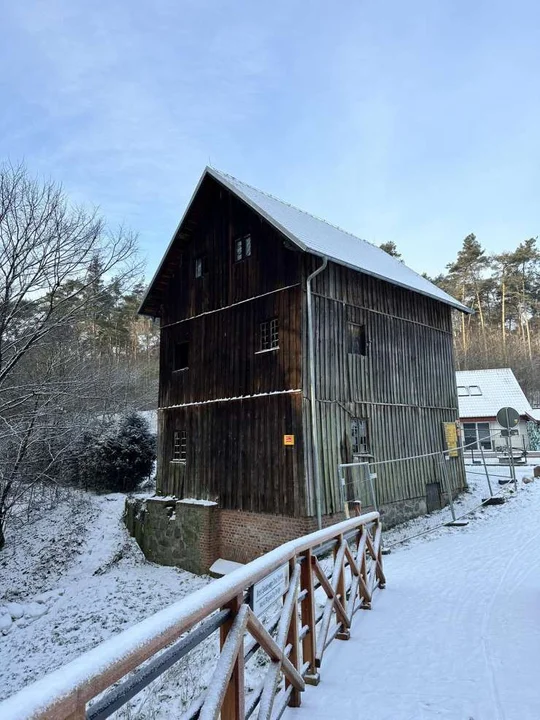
(476, 435)
(269, 335)
(359, 436)
(179, 446)
(242, 247)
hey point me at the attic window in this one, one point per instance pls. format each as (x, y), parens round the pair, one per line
(242, 248)
(357, 339)
(462, 391)
(474, 390)
(181, 356)
(201, 266)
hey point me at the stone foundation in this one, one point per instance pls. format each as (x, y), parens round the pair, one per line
(175, 532)
(192, 536)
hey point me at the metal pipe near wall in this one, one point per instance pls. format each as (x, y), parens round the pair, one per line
(312, 399)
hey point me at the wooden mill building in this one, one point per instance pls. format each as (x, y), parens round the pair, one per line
(237, 388)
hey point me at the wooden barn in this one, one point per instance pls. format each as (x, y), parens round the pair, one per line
(271, 317)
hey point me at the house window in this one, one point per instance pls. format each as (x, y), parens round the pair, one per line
(180, 446)
(201, 266)
(181, 356)
(476, 435)
(474, 390)
(269, 335)
(462, 391)
(242, 247)
(359, 436)
(357, 344)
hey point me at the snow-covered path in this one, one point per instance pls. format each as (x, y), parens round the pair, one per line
(456, 633)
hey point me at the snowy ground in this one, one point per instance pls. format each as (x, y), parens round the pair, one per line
(75, 578)
(456, 633)
(458, 602)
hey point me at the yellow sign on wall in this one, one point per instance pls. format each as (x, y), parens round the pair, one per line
(288, 439)
(451, 438)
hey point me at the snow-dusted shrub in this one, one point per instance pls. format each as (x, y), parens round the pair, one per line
(116, 458)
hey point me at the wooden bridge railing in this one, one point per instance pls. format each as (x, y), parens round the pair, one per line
(295, 639)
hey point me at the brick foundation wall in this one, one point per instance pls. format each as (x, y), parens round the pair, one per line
(193, 536)
(246, 535)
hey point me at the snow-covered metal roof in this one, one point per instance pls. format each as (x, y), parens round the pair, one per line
(482, 393)
(311, 234)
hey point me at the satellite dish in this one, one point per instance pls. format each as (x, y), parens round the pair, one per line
(507, 417)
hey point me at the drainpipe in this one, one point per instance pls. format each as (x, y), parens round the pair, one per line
(314, 433)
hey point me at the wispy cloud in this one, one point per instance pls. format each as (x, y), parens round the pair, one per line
(414, 123)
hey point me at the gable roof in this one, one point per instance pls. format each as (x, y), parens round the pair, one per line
(311, 234)
(499, 388)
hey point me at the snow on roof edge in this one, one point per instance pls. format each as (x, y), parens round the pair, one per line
(227, 180)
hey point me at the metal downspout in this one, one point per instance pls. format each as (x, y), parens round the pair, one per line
(314, 433)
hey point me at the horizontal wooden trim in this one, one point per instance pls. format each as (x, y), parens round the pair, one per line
(380, 312)
(228, 307)
(383, 404)
(231, 399)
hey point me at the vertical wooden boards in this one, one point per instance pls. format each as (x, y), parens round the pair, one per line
(236, 454)
(404, 385)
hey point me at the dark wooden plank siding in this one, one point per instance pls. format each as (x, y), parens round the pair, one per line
(236, 455)
(235, 446)
(224, 360)
(214, 222)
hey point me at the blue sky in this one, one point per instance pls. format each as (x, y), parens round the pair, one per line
(416, 122)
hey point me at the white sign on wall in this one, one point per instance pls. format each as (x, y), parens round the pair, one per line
(270, 589)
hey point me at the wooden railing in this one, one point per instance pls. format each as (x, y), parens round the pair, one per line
(294, 640)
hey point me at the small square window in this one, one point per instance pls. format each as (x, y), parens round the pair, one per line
(359, 436)
(242, 248)
(181, 356)
(357, 339)
(462, 391)
(269, 334)
(180, 446)
(475, 390)
(201, 266)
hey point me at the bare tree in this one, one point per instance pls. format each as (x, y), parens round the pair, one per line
(54, 261)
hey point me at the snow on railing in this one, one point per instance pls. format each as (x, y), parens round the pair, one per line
(295, 641)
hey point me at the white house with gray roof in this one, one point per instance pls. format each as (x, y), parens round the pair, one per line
(481, 394)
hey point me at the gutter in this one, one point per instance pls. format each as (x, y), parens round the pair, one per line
(312, 398)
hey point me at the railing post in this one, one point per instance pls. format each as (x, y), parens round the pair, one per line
(293, 638)
(233, 707)
(341, 590)
(309, 642)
